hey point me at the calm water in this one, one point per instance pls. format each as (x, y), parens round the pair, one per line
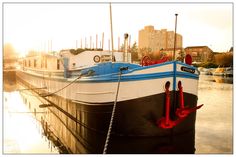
(215, 119)
(24, 134)
(22, 130)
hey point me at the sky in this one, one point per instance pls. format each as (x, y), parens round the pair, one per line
(56, 26)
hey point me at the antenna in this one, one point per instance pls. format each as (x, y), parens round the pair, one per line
(90, 42)
(118, 43)
(85, 43)
(102, 40)
(112, 47)
(175, 35)
(81, 45)
(96, 41)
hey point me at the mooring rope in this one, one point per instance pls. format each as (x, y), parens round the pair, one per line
(62, 87)
(112, 116)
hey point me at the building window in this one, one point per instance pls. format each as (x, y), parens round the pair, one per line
(41, 63)
(194, 54)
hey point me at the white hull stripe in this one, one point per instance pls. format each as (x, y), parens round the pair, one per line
(103, 92)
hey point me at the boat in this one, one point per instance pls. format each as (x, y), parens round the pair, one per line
(220, 71)
(112, 105)
(154, 102)
(228, 72)
(204, 71)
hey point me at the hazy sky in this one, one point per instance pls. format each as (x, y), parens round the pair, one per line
(33, 25)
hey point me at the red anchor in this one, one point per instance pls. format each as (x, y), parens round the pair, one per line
(166, 122)
(183, 111)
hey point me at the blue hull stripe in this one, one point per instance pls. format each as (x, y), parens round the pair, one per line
(174, 77)
(141, 77)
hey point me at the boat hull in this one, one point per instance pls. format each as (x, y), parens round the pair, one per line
(134, 130)
(84, 109)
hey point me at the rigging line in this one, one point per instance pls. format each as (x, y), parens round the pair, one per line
(112, 115)
(62, 87)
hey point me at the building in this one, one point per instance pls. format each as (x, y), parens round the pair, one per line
(158, 39)
(200, 53)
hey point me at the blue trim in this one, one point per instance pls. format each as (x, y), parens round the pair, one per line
(114, 68)
(124, 78)
(140, 77)
(174, 76)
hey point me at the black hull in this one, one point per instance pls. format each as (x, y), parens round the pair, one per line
(134, 128)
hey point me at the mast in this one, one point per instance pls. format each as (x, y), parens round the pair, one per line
(112, 47)
(118, 43)
(96, 41)
(90, 42)
(85, 43)
(102, 40)
(81, 45)
(175, 35)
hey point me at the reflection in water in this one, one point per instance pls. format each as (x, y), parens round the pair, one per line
(22, 131)
(60, 121)
(220, 79)
(9, 81)
(214, 121)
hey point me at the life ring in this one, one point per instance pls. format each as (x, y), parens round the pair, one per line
(96, 59)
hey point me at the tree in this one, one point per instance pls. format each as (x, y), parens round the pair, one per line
(9, 55)
(181, 56)
(134, 52)
(9, 51)
(146, 51)
(224, 59)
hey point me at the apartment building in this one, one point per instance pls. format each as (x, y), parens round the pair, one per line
(158, 39)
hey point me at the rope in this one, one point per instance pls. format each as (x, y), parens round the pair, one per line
(112, 116)
(62, 87)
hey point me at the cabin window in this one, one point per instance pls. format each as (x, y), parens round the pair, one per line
(46, 63)
(35, 63)
(41, 63)
(58, 64)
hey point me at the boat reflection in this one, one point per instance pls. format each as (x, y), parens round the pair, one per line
(221, 79)
(44, 113)
(21, 130)
(58, 125)
(9, 80)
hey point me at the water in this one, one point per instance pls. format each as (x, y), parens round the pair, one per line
(22, 130)
(214, 120)
(24, 134)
